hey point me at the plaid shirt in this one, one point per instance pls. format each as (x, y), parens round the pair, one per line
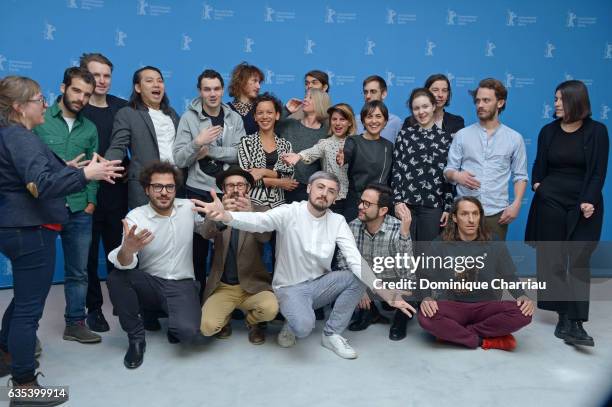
(386, 242)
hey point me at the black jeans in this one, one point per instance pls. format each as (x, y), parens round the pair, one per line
(31, 251)
(133, 291)
(107, 227)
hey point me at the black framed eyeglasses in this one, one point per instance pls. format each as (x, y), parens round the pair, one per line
(170, 188)
(366, 204)
(238, 185)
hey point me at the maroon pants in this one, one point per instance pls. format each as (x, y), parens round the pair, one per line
(465, 322)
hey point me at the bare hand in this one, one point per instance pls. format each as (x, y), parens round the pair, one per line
(444, 219)
(291, 158)
(340, 157)
(213, 210)
(587, 209)
(467, 179)
(208, 135)
(134, 242)
(405, 216)
(509, 214)
(203, 152)
(258, 173)
(536, 185)
(293, 105)
(429, 307)
(90, 208)
(365, 302)
(526, 304)
(100, 169)
(404, 307)
(288, 184)
(243, 204)
(78, 162)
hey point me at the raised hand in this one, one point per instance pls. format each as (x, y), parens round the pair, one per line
(134, 242)
(100, 169)
(213, 210)
(293, 105)
(78, 162)
(291, 158)
(208, 135)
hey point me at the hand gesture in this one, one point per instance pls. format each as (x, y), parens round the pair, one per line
(288, 184)
(429, 307)
(340, 157)
(405, 216)
(78, 162)
(293, 105)
(587, 209)
(526, 304)
(444, 219)
(208, 135)
(100, 169)
(202, 153)
(213, 210)
(134, 242)
(509, 214)
(258, 173)
(365, 302)
(291, 158)
(467, 179)
(403, 306)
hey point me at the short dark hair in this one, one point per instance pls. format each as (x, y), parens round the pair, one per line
(501, 93)
(385, 194)
(370, 106)
(268, 97)
(241, 75)
(136, 99)
(78, 72)
(421, 92)
(94, 57)
(210, 74)
(439, 77)
(320, 76)
(159, 167)
(575, 99)
(382, 84)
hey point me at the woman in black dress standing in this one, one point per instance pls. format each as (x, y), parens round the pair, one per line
(568, 178)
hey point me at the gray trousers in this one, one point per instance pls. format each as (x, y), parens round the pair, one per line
(298, 302)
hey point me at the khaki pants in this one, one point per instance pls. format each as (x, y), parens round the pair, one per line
(496, 228)
(218, 308)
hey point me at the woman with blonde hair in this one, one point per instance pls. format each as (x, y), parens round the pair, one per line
(342, 124)
(303, 134)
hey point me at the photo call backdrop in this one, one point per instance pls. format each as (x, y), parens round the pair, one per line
(531, 46)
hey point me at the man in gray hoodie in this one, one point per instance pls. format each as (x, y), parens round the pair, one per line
(206, 143)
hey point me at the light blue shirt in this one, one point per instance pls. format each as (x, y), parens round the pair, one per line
(492, 159)
(394, 125)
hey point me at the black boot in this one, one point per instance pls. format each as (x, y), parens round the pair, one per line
(398, 327)
(96, 321)
(34, 386)
(135, 354)
(577, 335)
(366, 317)
(320, 314)
(563, 326)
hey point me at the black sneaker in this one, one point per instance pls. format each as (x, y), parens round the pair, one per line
(96, 321)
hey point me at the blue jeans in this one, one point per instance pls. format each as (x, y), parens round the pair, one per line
(76, 239)
(31, 251)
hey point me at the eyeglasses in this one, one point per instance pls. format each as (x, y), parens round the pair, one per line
(170, 188)
(238, 185)
(42, 100)
(366, 204)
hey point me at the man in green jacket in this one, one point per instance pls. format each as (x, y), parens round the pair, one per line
(75, 139)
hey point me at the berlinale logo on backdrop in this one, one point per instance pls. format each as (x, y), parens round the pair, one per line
(450, 17)
(514, 20)
(330, 77)
(248, 45)
(210, 13)
(332, 16)
(72, 4)
(329, 16)
(48, 33)
(274, 16)
(574, 20)
(269, 76)
(511, 17)
(141, 9)
(509, 79)
(13, 65)
(308, 47)
(489, 49)
(2, 61)
(120, 37)
(548, 53)
(546, 109)
(206, 10)
(390, 77)
(185, 44)
(608, 53)
(369, 48)
(391, 14)
(429, 47)
(605, 109)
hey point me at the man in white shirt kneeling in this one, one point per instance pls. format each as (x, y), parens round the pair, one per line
(154, 267)
(307, 234)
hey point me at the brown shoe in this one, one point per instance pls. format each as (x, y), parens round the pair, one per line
(225, 332)
(257, 336)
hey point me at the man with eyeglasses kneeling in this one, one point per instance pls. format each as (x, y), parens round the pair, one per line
(238, 278)
(154, 267)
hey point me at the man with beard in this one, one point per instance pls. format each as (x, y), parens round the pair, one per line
(484, 155)
(74, 138)
(381, 235)
(238, 278)
(307, 234)
(153, 268)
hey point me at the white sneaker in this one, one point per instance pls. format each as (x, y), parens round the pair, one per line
(339, 345)
(285, 338)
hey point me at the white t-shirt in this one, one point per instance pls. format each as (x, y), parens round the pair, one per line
(165, 131)
(70, 122)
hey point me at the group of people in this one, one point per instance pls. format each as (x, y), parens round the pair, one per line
(328, 191)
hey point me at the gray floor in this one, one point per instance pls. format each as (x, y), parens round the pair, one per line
(542, 371)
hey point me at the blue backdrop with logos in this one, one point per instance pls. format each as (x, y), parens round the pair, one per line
(530, 46)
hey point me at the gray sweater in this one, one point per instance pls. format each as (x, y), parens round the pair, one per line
(224, 149)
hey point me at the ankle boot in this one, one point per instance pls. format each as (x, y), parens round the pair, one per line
(563, 326)
(577, 335)
(53, 398)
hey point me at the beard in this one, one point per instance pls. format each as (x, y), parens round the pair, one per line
(68, 105)
(487, 115)
(156, 203)
(320, 206)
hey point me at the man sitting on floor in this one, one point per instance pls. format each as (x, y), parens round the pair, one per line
(307, 234)
(153, 266)
(238, 277)
(468, 313)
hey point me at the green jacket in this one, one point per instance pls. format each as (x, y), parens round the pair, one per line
(67, 145)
